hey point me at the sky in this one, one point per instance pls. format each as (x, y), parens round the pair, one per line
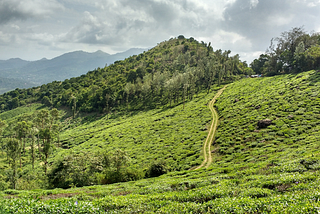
(35, 29)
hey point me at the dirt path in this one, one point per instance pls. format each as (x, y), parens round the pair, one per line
(207, 146)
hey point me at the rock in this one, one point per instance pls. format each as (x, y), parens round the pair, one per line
(264, 123)
(290, 116)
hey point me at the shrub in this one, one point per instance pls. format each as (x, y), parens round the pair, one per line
(156, 169)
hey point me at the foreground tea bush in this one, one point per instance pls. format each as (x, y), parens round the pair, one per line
(29, 206)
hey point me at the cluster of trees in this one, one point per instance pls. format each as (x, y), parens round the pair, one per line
(294, 51)
(28, 144)
(171, 71)
(32, 140)
(88, 169)
(106, 167)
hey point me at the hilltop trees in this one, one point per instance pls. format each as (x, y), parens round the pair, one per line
(143, 80)
(294, 51)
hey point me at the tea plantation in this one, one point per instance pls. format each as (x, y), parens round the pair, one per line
(270, 168)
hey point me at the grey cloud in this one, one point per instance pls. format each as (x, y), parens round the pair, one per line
(266, 19)
(9, 12)
(137, 22)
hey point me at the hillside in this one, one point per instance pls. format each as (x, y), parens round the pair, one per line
(173, 70)
(63, 67)
(273, 168)
(7, 84)
(134, 118)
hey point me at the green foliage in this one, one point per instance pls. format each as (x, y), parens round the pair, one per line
(75, 170)
(293, 52)
(156, 169)
(138, 82)
(271, 169)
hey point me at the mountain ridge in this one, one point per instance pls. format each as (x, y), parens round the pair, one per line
(65, 66)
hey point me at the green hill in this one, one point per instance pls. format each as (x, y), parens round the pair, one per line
(271, 169)
(130, 137)
(149, 108)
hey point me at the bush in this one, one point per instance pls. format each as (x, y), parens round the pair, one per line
(156, 169)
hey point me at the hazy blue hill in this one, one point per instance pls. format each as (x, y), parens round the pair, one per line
(8, 84)
(63, 67)
(12, 63)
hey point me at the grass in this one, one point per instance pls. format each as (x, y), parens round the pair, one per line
(173, 134)
(254, 170)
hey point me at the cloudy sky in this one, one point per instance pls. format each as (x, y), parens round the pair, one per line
(33, 29)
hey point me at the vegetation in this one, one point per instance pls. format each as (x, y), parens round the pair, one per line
(159, 91)
(174, 70)
(293, 52)
(254, 170)
(264, 157)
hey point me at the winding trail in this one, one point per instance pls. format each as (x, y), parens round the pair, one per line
(207, 146)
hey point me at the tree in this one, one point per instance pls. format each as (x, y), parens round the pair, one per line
(129, 89)
(46, 135)
(46, 101)
(107, 104)
(14, 150)
(33, 132)
(2, 126)
(75, 170)
(21, 129)
(299, 57)
(74, 106)
(114, 164)
(258, 65)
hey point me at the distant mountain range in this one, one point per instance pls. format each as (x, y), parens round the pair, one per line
(18, 73)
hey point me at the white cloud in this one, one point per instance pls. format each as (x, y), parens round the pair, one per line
(254, 3)
(279, 19)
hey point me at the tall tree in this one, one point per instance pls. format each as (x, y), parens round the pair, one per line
(33, 132)
(2, 126)
(14, 150)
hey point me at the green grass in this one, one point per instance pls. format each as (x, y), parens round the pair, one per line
(173, 134)
(290, 101)
(266, 170)
(29, 109)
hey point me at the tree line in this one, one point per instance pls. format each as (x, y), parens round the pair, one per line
(33, 140)
(293, 51)
(172, 71)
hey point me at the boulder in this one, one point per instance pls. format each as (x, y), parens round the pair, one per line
(264, 123)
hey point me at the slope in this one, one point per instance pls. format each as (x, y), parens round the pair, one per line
(273, 169)
(172, 134)
(290, 102)
(209, 140)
